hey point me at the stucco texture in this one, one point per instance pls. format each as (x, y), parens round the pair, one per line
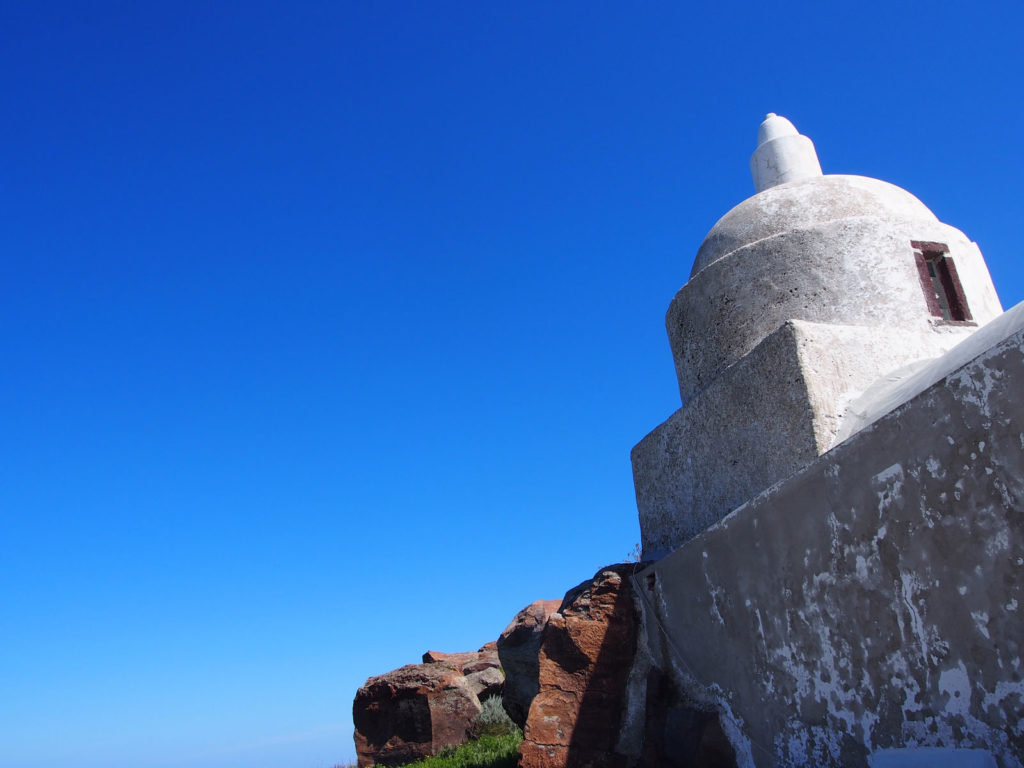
(832, 249)
(874, 599)
(770, 414)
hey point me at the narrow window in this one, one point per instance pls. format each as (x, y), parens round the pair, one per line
(942, 290)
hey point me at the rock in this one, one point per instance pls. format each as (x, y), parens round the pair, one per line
(486, 682)
(419, 709)
(586, 652)
(468, 662)
(518, 649)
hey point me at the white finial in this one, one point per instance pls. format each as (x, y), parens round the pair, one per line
(782, 154)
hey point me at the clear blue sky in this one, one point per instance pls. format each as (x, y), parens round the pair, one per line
(327, 328)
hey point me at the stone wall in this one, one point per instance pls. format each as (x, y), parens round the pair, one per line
(874, 599)
(769, 415)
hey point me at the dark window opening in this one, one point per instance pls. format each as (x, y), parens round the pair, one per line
(942, 290)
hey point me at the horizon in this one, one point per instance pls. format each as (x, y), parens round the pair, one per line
(330, 327)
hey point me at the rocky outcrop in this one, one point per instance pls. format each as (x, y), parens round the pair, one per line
(482, 669)
(518, 649)
(579, 676)
(586, 653)
(420, 709)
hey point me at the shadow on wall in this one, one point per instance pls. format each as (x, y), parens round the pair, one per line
(679, 735)
(583, 715)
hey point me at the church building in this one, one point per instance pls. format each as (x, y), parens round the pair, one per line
(833, 521)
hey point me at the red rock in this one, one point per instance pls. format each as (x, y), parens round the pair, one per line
(518, 648)
(466, 662)
(486, 682)
(420, 709)
(586, 652)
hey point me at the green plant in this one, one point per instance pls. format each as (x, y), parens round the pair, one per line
(492, 720)
(485, 752)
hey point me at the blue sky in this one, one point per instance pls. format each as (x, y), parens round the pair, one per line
(328, 327)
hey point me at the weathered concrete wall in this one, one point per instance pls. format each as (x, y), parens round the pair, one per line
(875, 599)
(724, 446)
(770, 414)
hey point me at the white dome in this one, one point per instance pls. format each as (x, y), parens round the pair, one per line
(806, 204)
(827, 249)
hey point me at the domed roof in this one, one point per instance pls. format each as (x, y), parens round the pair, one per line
(805, 204)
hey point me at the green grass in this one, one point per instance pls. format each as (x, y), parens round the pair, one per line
(485, 752)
